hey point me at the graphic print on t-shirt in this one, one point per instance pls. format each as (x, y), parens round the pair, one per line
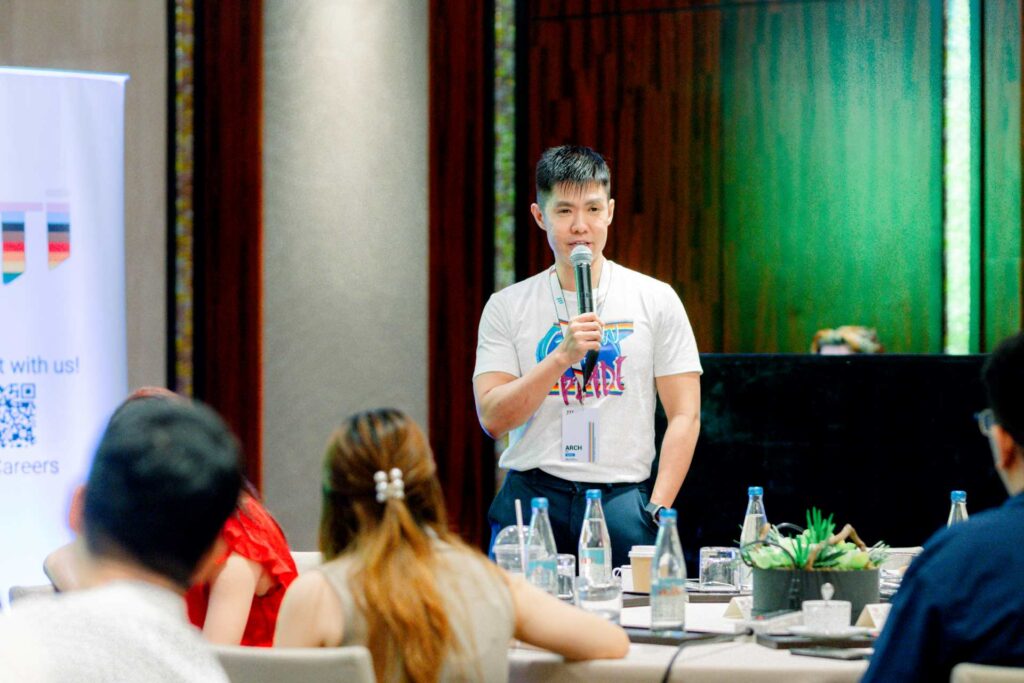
(609, 378)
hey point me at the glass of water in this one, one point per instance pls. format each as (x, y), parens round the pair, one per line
(566, 577)
(602, 599)
(508, 554)
(719, 569)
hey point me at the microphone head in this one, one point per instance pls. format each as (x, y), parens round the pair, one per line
(581, 255)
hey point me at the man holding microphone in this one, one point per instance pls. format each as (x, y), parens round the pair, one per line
(568, 434)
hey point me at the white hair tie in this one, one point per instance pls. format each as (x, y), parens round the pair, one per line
(395, 489)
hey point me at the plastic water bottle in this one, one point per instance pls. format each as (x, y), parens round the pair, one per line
(957, 507)
(542, 565)
(595, 543)
(668, 577)
(753, 522)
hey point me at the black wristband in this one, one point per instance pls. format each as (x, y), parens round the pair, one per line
(654, 510)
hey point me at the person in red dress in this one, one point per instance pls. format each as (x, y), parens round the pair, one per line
(239, 600)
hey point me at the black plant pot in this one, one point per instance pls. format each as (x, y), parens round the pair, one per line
(776, 589)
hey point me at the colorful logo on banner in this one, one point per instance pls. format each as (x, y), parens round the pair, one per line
(58, 235)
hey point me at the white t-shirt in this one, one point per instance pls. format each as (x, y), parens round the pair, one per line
(647, 335)
(122, 631)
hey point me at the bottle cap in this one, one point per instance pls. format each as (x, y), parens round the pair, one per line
(539, 503)
(593, 494)
(667, 514)
(958, 496)
(755, 491)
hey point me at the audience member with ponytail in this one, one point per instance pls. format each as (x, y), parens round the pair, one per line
(395, 579)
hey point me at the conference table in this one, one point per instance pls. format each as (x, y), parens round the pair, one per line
(721, 662)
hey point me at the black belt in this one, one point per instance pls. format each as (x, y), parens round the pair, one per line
(539, 476)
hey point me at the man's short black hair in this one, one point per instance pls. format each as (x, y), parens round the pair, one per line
(572, 164)
(1003, 375)
(164, 479)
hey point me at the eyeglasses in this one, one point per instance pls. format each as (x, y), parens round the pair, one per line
(986, 419)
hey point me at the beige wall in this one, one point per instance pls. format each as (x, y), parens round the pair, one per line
(345, 231)
(345, 207)
(123, 36)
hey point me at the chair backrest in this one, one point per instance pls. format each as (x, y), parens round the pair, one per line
(985, 673)
(24, 592)
(306, 559)
(298, 664)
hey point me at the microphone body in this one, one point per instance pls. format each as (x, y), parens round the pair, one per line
(581, 259)
(584, 290)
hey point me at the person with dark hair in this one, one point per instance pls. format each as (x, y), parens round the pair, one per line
(960, 600)
(164, 478)
(399, 582)
(566, 433)
(237, 602)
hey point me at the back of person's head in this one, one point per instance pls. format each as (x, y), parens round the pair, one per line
(389, 528)
(165, 477)
(1003, 375)
(571, 165)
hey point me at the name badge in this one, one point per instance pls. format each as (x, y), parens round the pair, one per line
(579, 434)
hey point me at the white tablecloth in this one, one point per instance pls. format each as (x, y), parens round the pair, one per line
(715, 663)
(737, 661)
(701, 617)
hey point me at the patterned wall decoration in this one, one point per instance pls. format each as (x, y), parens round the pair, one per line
(505, 208)
(960, 139)
(181, 374)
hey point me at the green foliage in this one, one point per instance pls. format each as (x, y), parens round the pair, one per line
(779, 551)
(819, 530)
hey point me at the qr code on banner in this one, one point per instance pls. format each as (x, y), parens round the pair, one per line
(17, 415)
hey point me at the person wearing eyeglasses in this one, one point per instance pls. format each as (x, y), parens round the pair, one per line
(961, 599)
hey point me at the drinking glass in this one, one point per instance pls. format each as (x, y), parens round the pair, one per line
(566, 577)
(602, 599)
(507, 551)
(719, 569)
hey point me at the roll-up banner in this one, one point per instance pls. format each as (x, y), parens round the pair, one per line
(63, 365)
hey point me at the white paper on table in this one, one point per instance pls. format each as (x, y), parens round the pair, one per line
(874, 615)
(740, 607)
(701, 617)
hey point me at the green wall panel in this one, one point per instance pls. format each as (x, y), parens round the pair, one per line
(1001, 260)
(832, 143)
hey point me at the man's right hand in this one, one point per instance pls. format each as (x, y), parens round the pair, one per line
(584, 334)
(504, 401)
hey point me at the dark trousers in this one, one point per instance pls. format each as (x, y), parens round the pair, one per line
(629, 523)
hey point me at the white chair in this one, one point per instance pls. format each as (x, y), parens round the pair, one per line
(985, 673)
(306, 559)
(298, 664)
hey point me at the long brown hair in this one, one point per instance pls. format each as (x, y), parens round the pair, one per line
(391, 539)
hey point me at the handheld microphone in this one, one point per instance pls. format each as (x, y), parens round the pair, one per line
(581, 259)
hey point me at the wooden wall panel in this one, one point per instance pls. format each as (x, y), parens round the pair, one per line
(461, 248)
(833, 172)
(228, 179)
(778, 163)
(642, 88)
(1001, 201)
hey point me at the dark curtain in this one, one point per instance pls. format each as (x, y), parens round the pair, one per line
(228, 218)
(461, 248)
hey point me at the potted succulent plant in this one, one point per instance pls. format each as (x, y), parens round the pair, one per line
(789, 569)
